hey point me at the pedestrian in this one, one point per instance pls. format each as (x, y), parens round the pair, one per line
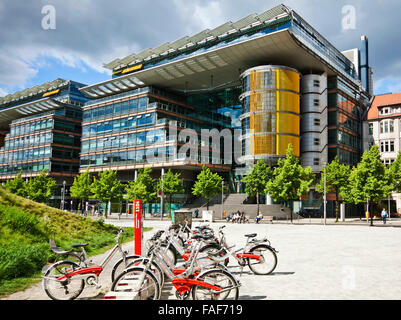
(384, 215)
(259, 217)
(196, 213)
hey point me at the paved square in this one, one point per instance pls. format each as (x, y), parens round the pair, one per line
(314, 262)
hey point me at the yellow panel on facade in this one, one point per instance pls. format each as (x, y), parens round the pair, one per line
(288, 123)
(284, 141)
(289, 101)
(264, 144)
(288, 80)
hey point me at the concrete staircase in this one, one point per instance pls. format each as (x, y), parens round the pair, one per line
(235, 202)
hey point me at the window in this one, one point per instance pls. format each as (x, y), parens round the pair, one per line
(316, 83)
(387, 146)
(316, 161)
(316, 122)
(387, 126)
(316, 102)
(316, 141)
(370, 128)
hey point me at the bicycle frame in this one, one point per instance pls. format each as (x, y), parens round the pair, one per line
(97, 269)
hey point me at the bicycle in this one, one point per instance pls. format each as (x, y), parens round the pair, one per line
(69, 277)
(201, 281)
(259, 255)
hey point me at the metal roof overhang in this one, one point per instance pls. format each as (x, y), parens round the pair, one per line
(227, 63)
(27, 109)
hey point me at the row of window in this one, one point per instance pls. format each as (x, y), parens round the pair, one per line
(118, 125)
(32, 167)
(387, 146)
(31, 127)
(125, 140)
(125, 157)
(25, 155)
(28, 141)
(115, 109)
(24, 167)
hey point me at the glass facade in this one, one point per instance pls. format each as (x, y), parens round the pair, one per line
(345, 121)
(34, 142)
(134, 128)
(270, 111)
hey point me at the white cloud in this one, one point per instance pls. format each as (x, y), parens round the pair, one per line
(3, 92)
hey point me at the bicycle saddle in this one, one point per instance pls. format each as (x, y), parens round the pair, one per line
(56, 249)
(251, 235)
(79, 245)
(202, 236)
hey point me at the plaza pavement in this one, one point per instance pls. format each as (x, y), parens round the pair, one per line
(314, 262)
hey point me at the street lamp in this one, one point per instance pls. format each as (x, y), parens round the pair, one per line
(222, 198)
(324, 196)
(63, 195)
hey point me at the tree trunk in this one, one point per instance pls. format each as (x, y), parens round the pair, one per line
(170, 205)
(207, 205)
(257, 201)
(337, 206)
(291, 208)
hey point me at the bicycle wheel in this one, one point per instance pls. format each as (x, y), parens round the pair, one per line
(213, 248)
(170, 253)
(218, 278)
(129, 281)
(267, 261)
(67, 288)
(155, 268)
(120, 265)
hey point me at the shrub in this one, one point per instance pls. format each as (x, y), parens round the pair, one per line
(19, 260)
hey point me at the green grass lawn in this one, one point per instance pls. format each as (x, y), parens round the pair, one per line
(25, 229)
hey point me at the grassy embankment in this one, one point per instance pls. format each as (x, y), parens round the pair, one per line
(25, 229)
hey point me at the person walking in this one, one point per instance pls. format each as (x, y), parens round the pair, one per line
(384, 215)
(196, 213)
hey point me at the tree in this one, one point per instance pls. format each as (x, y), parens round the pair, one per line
(16, 185)
(290, 181)
(107, 188)
(395, 174)
(172, 184)
(207, 185)
(81, 187)
(370, 181)
(143, 188)
(256, 180)
(337, 175)
(41, 188)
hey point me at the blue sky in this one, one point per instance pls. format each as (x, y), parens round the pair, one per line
(90, 33)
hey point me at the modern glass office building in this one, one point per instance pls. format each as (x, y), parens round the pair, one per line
(41, 129)
(270, 79)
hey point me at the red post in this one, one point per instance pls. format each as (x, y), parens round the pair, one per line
(138, 226)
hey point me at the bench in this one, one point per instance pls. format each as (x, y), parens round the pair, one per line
(267, 219)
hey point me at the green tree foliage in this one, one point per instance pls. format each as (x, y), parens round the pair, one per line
(337, 175)
(256, 180)
(40, 188)
(290, 181)
(106, 187)
(172, 184)
(143, 188)
(369, 180)
(81, 187)
(16, 186)
(395, 174)
(207, 185)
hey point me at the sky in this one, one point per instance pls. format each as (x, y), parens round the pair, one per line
(86, 34)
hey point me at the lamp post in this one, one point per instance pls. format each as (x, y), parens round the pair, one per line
(324, 196)
(222, 198)
(63, 195)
